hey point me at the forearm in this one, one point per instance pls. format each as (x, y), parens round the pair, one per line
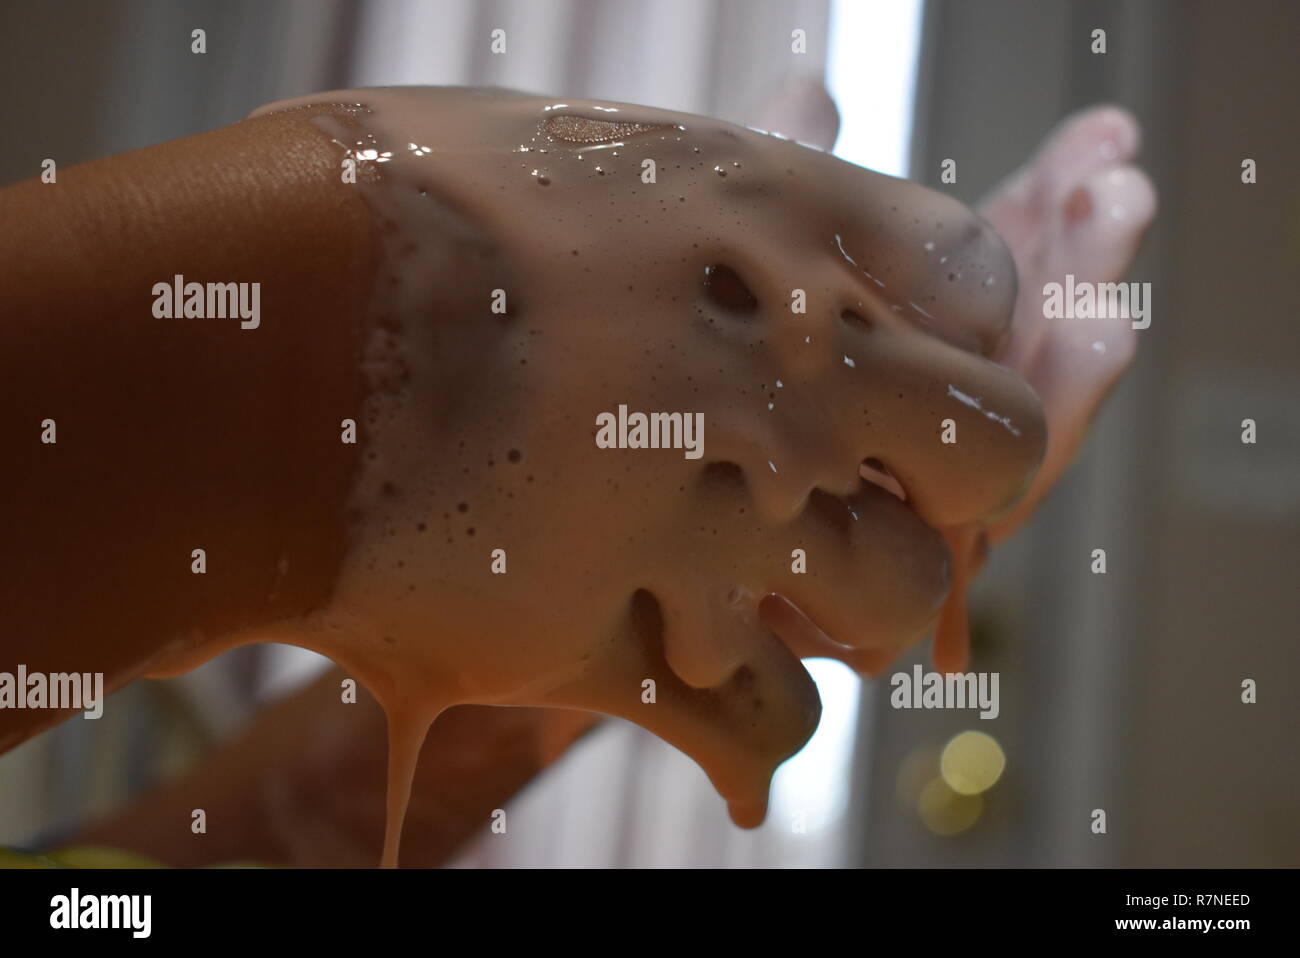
(304, 785)
(176, 434)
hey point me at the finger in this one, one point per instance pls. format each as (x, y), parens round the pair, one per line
(1081, 145)
(738, 732)
(806, 639)
(1078, 361)
(961, 435)
(802, 110)
(871, 574)
(706, 635)
(923, 258)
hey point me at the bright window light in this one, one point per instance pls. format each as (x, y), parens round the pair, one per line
(871, 73)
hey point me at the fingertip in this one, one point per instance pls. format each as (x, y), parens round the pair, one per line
(1119, 128)
(1131, 190)
(802, 110)
(1109, 213)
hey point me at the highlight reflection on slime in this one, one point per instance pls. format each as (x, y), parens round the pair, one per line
(628, 566)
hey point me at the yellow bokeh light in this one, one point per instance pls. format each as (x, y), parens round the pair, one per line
(972, 763)
(944, 811)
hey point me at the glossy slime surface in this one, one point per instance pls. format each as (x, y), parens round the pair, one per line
(628, 565)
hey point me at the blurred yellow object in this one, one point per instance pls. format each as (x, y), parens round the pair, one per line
(94, 856)
(944, 811)
(9, 858)
(972, 763)
(97, 856)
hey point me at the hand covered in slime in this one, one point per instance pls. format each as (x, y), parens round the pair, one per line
(831, 326)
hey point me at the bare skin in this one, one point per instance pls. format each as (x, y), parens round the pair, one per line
(143, 408)
(1036, 233)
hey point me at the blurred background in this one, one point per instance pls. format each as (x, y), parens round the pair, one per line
(1119, 692)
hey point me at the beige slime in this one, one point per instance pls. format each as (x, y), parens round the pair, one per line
(548, 261)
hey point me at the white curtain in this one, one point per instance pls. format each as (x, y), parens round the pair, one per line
(723, 58)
